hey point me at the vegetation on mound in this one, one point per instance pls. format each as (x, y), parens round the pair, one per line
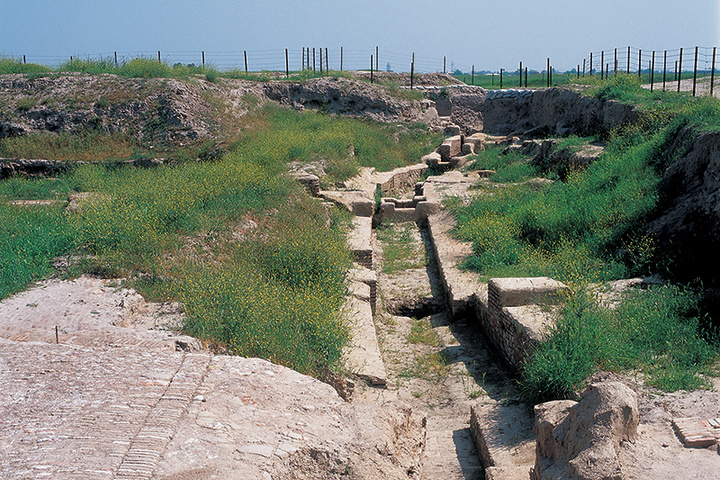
(338, 145)
(590, 228)
(257, 263)
(144, 67)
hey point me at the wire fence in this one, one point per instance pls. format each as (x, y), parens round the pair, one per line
(303, 58)
(664, 69)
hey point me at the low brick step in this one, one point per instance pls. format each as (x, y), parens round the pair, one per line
(696, 432)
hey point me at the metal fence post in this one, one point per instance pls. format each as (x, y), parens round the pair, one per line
(712, 72)
(679, 70)
(548, 72)
(695, 70)
(664, 68)
(652, 71)
(616, 63)
(628, 60)
(521, 70)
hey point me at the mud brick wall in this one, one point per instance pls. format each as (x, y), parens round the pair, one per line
(504, 333)
(512, 320)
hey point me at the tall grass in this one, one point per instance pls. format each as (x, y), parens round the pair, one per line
(341, 145)
(30, 239)
(16, 65)
(656, 332)
(86, 146)
(276, 295)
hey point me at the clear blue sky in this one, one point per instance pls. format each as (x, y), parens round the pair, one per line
(489, 35)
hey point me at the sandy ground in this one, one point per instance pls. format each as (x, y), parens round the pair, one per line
(658, 453)
(702, 88)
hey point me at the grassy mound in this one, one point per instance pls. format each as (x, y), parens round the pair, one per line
(258, 265)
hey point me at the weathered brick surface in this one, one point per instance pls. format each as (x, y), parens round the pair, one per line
(695, 432)
(77, 412)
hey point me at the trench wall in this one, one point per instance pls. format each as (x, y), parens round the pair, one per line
(553, 111)
(513, 313)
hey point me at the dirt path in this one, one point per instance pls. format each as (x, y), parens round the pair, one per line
(702, 87)
(433, 364)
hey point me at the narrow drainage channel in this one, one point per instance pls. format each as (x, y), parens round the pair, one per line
(436, 365)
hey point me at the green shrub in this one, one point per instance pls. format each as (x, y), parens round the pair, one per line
(144, 68)
(15, 65)
(655, 331)
(25, 104)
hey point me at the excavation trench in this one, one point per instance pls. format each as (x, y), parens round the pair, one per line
(436, 363)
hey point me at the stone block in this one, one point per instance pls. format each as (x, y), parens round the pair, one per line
(431, 159)
(424, 209)
(460, 161)
(356, 202)
(517, 291)
(309, 181)
(359, 241)
(582, 440)
(506, 448)
(363, 356)
(404, 178)
(450, 147)
(387, 209)
(477, 144)
(452, 130)
(363, 208)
